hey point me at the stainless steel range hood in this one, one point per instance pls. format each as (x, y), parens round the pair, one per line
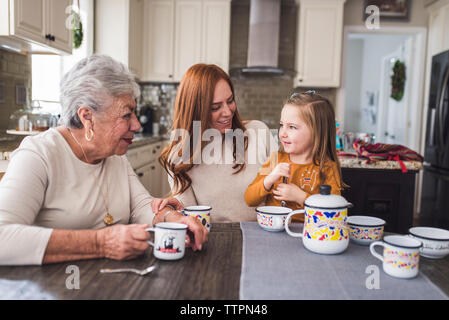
(263, 40)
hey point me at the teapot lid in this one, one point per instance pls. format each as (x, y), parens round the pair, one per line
(326, 200)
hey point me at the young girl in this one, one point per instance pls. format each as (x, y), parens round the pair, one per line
(307, 158)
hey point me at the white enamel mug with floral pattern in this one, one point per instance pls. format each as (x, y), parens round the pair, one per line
(400, 255)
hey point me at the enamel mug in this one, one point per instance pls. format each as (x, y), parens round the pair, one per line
(400, 257)
(272, 218)
(201, 213)
(169, 240)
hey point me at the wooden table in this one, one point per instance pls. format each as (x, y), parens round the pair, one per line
(213, 273)
(210, 274)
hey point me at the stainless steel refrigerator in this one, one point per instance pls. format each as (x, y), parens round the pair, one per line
(435, 188)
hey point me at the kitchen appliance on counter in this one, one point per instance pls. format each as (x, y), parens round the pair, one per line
(31, 120)
(435, 188)
(146, 118)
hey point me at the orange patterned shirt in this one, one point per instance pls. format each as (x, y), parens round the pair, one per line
(305, 176)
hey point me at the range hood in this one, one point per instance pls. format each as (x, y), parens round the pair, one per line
(263, 39)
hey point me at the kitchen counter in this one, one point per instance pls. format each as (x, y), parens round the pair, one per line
(361, 163)
(8, 143)
(141, 139)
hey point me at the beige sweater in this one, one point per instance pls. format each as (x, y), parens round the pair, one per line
(216, 185)
(47, 187)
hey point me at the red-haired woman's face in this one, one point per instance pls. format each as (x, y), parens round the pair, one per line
(223, 107)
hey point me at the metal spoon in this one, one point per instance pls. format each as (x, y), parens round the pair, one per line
(139, 272)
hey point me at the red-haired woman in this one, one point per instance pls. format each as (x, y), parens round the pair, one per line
(213, 155)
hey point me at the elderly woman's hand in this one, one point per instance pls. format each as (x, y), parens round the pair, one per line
(158, 204)
(122, 242)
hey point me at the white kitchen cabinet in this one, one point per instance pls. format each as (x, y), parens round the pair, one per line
(29, 19)
(181, 33)
(144, 161)
(319, 43)
(158, 40)
(216, 33)
(150, 175)
(187, 36)
(39, 21)
(57, 18)
(118, 31)
(438, 28)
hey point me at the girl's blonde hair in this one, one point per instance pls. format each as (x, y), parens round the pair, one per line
(318, 114)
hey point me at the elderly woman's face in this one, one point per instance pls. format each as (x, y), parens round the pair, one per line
(115, 127)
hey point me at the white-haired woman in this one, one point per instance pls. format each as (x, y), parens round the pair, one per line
(70, 193)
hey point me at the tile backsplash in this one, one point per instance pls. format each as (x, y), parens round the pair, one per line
(15, 72)
(262, 97)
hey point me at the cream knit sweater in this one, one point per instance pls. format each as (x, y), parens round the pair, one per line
(47, 187)
(216, 185)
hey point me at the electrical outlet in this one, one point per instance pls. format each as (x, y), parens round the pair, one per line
(21, 94)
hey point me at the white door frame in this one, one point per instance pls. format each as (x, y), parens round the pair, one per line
(417, 81)
(383, 98)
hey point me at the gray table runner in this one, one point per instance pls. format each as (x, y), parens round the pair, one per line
(277, 266)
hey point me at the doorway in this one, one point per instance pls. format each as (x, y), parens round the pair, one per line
(364, 102)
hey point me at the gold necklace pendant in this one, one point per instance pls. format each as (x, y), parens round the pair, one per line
(108, 219)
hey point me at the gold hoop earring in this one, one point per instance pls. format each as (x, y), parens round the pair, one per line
(91, 132)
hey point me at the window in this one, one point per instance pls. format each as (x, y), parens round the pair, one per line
(47, 70)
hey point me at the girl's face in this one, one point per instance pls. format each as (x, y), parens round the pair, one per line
(294, 134)
(223, 107)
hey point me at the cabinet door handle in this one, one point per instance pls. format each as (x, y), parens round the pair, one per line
(50, 37)
(153, 167)
(154, 151)
(140, 174)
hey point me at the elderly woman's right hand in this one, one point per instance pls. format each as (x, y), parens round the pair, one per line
(122, 242)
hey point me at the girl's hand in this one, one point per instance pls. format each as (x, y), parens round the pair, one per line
(158, 204)
(281, 170)
(289, 192)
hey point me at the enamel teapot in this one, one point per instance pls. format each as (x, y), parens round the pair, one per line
(325, 228)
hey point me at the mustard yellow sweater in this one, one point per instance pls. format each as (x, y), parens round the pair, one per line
(305, 176)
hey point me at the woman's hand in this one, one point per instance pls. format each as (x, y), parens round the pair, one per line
(194, 227)
(281, 170)
(123, 242)
(158, 204)
(289, 192)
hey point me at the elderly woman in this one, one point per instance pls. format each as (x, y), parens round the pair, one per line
(70, 193)
(214, 172)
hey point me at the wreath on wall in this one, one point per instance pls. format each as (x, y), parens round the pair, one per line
(77, 30)
(398, 81)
